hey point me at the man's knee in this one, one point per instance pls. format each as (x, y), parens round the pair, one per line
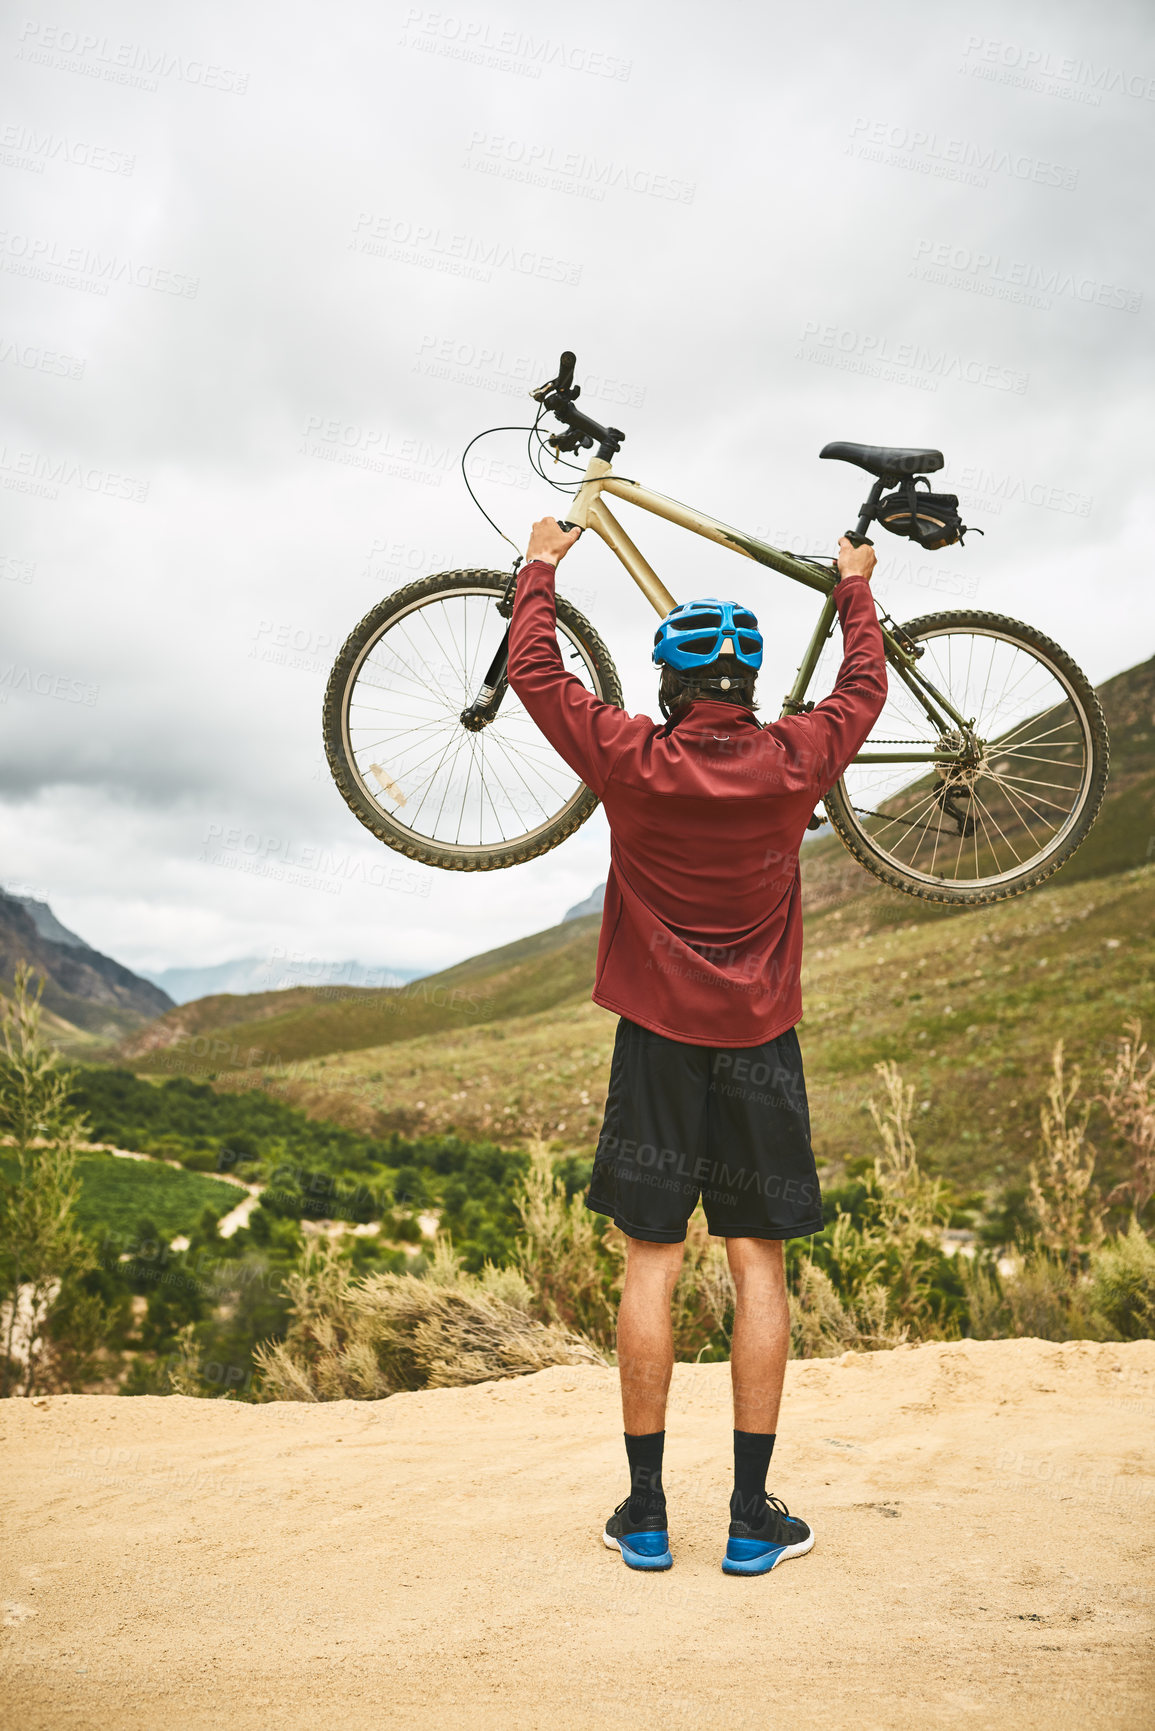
(648, 1261)
(756, 1261)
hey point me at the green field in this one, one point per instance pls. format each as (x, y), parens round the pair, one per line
(116, 1194)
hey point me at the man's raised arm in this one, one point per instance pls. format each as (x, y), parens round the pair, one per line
(581, 728)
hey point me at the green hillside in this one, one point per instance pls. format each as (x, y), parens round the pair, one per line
(969, 1005)
(261, 1031)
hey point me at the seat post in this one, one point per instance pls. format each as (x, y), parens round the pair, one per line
(866, 511)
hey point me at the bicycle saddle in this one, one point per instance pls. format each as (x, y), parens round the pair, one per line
(889, 462)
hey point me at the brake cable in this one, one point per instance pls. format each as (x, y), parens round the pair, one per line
(465, 477)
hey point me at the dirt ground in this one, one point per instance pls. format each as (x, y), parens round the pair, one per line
(985, 1520)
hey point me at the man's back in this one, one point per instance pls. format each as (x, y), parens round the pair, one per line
(701, 934)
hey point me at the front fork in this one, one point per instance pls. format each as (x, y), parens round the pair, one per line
(494, 686)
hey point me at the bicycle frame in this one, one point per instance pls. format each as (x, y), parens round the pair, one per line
(589, 511)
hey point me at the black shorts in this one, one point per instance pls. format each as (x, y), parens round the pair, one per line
(729, 1124)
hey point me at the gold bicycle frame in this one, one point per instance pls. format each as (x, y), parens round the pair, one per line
(589, 511)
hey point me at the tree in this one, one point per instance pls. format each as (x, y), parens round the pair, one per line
(43, 1253)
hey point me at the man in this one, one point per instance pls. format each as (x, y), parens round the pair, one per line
(700, 956)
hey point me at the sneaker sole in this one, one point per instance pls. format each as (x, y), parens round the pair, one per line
(633, 1560)
(771, 1560)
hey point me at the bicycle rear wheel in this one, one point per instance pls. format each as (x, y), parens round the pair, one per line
(994, 826)
(404, 763)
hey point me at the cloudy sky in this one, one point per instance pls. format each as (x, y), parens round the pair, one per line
(241, 241)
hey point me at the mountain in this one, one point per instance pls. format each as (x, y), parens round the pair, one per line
(591, 905)
(83, 988)
(270, 974)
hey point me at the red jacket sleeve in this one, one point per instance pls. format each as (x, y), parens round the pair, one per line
(820, 745)
(582, 729)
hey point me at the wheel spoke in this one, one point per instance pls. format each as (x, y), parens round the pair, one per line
(1022, 788)
(465, 792)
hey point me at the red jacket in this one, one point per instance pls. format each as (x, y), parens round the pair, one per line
(701, 935)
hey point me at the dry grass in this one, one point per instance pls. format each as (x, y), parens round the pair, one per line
(361, 1339)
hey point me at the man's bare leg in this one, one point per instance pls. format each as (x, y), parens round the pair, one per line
(761, 1340)
(637, 1528)
(645, 1334)
(762, 1534)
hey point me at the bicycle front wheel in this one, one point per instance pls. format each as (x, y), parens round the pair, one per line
(405, 764)
(1016, 808)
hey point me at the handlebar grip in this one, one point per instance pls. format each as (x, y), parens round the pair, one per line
(857, 540)
(565, 371)
(566, 527)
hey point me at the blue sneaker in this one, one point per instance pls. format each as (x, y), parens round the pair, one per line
(644, 1544)
(755, 1550)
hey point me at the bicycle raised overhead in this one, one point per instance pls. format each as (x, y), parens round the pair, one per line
(980, 778)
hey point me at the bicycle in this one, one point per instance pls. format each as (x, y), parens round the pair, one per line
(983, 774)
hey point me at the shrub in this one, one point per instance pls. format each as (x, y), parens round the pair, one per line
(1065, 1203)
(1122, 1283)
(1130, 1103)
(1039, 1297)
(572, 1267)
(361, 1339)
(823, 1324)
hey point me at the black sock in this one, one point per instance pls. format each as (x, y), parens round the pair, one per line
(647, 1497)
(752, 1451)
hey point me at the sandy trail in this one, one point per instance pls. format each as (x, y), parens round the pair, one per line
(984, 1515)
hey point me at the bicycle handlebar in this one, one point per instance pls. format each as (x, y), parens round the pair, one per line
(565, 371)
(557, 397)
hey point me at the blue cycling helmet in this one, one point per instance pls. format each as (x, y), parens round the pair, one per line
(693, 634)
